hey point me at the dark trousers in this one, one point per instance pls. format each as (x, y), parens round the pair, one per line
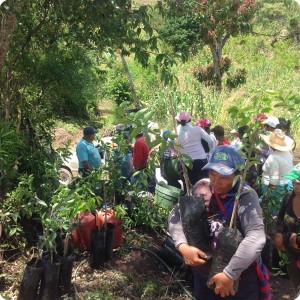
(248, 287)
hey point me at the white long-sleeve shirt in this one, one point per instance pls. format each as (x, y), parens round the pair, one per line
(190, 139)
(277, 164)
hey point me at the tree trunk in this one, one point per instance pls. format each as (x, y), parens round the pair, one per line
(217, 70)
(135, 98)
(216, 48)
(8, 23)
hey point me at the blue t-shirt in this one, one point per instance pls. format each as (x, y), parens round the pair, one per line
(88, 152)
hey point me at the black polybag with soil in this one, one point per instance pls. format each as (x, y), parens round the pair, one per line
(31, 280)
(194, 222)
(229, 240)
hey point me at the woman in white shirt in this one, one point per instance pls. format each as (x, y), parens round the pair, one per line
(278, 163)
(189, 137)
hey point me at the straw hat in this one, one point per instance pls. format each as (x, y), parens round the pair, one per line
(278, 140)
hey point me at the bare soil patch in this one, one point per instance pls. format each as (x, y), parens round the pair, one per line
(62, 136)
(131, 274)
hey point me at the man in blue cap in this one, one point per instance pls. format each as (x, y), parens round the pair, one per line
(87, 154)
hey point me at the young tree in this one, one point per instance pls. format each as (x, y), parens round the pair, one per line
(217, 21)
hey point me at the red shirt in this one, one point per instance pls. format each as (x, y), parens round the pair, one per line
(140, 153)
(224, 142)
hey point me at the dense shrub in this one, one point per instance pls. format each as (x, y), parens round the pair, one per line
(236, 79)
(206, 74)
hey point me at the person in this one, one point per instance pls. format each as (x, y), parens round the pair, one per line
(88, 155)
(279, 162)
(169, 165)
(205, 124)
(267, 124)
(236, 141)
(285, 126)
(219, 193)
(287, 236)
(220, 135)
(270, 123)
(189, 137)
(123, 156)
(140, 152)
(140, 157)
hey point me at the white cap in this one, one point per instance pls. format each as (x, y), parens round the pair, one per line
(271, 121)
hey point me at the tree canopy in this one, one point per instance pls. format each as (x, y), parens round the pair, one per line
(212, 24)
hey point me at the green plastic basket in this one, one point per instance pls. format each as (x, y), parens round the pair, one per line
(166, 196)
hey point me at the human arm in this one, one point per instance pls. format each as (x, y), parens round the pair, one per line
(208, 138)
(293, 241)
(251, 221)
(82, 155)
(86, 165)
(272, 167)
(223, 284)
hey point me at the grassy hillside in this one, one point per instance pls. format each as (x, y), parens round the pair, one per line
(271, 62)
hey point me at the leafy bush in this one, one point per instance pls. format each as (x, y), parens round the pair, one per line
(182, 33)
(206, 74)
(119, 90)
(237, 79)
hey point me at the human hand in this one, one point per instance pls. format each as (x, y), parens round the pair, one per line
(278, 241)
(223, 285)
(192, 256)
(293, 241)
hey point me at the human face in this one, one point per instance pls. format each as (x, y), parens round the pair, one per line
(296, 187)
(220, 183)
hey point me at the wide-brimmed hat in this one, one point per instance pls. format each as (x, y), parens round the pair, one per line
(294, 175)
(271, 121)
(225, 160)
(183, 116)
(278, 140)
(204, 122)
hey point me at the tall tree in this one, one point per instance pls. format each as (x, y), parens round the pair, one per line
(216, 21)
(42, 27)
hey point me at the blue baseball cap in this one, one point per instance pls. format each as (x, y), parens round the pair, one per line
(89, 130)
(165, 133)
(224, 160)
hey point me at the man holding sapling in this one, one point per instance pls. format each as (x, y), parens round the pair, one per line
(243, 262)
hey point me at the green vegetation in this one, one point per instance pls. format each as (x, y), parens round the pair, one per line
(65, 64)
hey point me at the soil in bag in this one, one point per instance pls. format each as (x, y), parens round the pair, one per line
(97, 257)
(65, 274)
(31, 279)
(194, 222)
(50, 280)
(171, 255)
(109, 240)
(228, 241)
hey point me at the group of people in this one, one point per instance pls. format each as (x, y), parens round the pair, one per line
(216, 183)
(131, 164)
(215, 165)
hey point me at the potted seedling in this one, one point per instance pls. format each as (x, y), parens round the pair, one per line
(229, 238)
(66, 206)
